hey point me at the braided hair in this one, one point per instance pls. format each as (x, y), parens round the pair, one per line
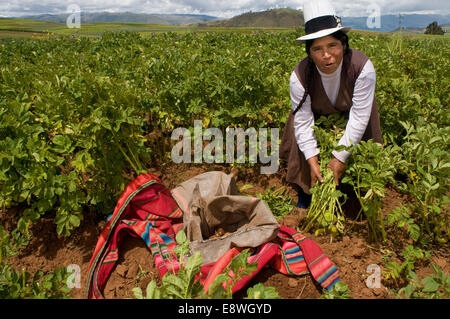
(339, 35)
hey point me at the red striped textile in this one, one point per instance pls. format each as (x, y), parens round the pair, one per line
(147, 210)
(145, 204)
(320, 266)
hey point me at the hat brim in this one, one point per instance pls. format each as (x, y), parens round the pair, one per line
(321, 33)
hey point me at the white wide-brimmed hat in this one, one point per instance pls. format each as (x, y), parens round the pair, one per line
(320, 20)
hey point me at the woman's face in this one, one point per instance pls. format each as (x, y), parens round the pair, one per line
(327, 53)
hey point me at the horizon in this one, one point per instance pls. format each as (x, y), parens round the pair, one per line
(212, 16)
(217, 9)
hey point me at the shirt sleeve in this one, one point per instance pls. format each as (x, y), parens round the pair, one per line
(360, 111)
(303, 119)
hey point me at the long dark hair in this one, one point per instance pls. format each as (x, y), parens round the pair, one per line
(339, 35)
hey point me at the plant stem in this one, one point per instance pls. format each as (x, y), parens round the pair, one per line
(124, 154)
(137, 161)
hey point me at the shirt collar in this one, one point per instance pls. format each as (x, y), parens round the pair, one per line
(331, 75)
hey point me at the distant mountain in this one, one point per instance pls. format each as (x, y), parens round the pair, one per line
(126, 17)
(294, 18)
(270, 18)
(392, 22)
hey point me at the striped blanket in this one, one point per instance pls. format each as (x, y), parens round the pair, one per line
(147, 210)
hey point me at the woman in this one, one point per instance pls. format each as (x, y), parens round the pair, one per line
(332, 78)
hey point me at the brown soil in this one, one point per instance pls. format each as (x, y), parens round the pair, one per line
(352, 253)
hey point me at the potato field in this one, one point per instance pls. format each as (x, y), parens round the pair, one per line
(82, 117)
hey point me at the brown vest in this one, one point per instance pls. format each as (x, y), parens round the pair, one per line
(298, 171)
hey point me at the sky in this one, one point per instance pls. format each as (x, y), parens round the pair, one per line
(217, 8)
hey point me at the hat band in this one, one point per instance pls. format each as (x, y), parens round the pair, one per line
(322, 23)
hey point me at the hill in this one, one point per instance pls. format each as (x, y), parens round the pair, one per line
(126, 17)
(285, 17)
(270, 18)
(294, 18)
(391, 23)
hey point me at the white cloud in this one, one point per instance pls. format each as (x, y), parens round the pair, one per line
(218, 8)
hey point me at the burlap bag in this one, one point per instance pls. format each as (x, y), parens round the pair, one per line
(211, 201)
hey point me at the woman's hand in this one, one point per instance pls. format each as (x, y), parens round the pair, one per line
(315, 170)
(338, 169)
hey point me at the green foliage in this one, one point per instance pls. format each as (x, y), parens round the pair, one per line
(185, 284)
(435, 286)
(182, 285)
(102, 110)
(238, 268)
(10, 244)
(411, 80)
(339, 291)
(15, 284)
(370, 169)
(325, 213)
(434, 28)
(278, 200)
(401, 218)
(398, 273)
(259, 291)
(80, 118)
(428, 170)
(182, 247)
